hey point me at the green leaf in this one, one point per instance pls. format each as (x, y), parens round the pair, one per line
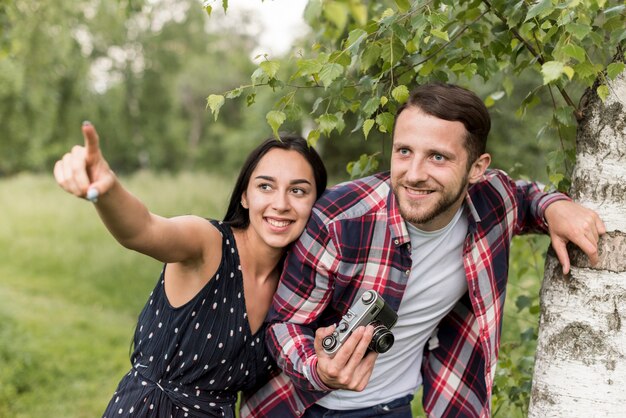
(234, 93)
(258, 76)
(522, 302)
(313, 137)
(541, 8)
(329, 73)
(370, 56)
(327, 123)
(569, 71)
(355, 37)
(308, 67)
(364, 166)
(208, 9)
(225, 5)
(359, 13)
(565, 116)
(337, 13)
(270, 68)
(440, 34)
(370, 106)
(603, 92)
(215, 102)
(614, 69)
(400, 94)
(403, 5)
(579, 31)
(551, 71)
(367, 126)
(250, 99)
(341, 124)
(575, 52)
(385, 122)
(275, 118)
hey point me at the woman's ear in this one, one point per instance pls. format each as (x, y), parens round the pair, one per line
(244, 200)
(478, 168)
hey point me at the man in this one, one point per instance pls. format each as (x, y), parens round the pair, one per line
(432, 237)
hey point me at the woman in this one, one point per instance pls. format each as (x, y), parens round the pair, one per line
(199, 338)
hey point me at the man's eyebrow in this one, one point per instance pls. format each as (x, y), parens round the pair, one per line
(294, 181)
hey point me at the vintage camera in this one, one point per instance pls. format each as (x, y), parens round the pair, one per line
(370, 308)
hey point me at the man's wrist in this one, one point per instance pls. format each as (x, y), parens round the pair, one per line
(310, 371)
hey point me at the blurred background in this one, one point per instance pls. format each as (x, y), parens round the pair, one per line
(141, 71)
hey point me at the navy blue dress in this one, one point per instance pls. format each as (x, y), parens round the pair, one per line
(192, 360)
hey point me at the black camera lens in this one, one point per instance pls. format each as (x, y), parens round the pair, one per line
(382, 340)
(329, 342)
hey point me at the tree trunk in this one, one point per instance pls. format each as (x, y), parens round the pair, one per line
(580, 365)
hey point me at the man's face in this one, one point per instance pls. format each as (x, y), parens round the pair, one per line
(429, 168)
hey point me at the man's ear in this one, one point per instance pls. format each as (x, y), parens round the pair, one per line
(478, 168)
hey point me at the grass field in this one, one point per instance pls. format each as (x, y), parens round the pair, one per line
(70, 295)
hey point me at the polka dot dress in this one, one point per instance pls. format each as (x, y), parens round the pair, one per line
(192, 360)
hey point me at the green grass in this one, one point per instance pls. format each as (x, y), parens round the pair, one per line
(70, 296)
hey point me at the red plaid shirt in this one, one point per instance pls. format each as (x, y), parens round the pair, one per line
(357, 240)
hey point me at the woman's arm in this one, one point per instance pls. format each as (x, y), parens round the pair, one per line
(84, 172)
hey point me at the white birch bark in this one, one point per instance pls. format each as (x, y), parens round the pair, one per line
(580, 365)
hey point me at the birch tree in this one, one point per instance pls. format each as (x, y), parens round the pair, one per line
(580, 368)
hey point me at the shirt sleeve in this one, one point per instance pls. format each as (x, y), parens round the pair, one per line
(304, 291)
(532, 202)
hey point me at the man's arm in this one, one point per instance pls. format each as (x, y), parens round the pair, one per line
(304, 292)
(565, 221)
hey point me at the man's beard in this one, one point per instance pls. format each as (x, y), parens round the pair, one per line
(445, 203)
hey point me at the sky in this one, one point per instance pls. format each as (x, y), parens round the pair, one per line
(281, 21)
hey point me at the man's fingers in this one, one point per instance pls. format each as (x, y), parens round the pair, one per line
(361, 348)
(92, 141)
(561, 253)
(600, 227)
(365, 369)
(320, 333)
(589, 247)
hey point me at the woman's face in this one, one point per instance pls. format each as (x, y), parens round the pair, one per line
(279, 197)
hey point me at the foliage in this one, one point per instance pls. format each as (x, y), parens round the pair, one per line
(367, 55)
(71, 295)
(138, 70)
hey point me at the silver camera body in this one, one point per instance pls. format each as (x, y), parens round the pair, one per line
(370, 308)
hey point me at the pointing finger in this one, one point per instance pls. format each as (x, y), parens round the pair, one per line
(92, 141)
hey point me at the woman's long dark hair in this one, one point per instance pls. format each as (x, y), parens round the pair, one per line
(236, 215)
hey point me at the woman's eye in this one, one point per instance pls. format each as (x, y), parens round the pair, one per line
(298, 191)
(265, 186)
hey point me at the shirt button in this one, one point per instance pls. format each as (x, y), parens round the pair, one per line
(395, 241)
(298, 413)
(407, 272)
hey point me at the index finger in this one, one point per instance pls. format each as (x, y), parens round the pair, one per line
(92, 141)
(349, 348)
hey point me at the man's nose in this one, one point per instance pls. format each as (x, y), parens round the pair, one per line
(417, 171)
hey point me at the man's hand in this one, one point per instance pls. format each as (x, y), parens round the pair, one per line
(351, 366)
(83, 171)
(569, 221)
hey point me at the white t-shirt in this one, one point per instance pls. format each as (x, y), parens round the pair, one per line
(436, 283)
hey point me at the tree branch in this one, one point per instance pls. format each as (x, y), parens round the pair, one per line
(577, 112)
